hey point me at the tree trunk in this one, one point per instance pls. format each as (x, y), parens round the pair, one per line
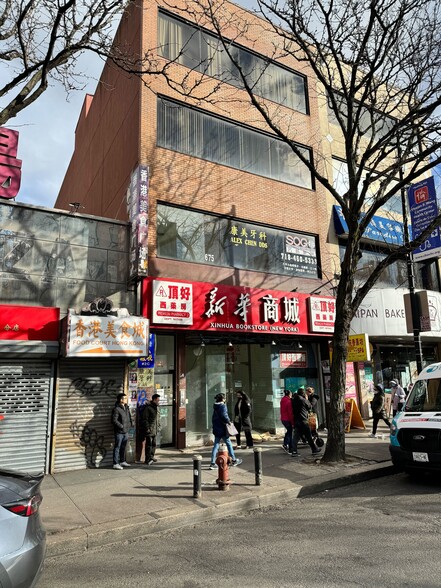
(335, 447)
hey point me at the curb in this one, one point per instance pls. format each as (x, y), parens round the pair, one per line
(78, 540)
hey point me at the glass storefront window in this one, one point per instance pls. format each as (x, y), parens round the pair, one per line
(223, 368)
(255, 368)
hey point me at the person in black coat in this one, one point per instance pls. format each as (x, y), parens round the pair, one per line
(150, 426)
(378, 411)
(301, 408)
(242, 418)
(121, 421)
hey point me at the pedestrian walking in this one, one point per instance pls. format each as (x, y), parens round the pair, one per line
(313, 399)
(287, 418)
(378, 411)
(151, 425)
(398, 397)
(121, 421)
(313, 416)
(301, 408)
(220, 420)
(242, 419)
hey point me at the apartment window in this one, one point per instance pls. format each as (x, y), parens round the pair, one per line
(201, 135)
(203, 52)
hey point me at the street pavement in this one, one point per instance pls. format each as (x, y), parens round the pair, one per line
(88, 508)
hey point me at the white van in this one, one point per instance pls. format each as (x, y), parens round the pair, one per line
(415, 434)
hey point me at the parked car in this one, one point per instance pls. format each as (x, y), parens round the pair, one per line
(22, 536)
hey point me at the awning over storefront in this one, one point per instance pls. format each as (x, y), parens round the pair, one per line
(380, 228)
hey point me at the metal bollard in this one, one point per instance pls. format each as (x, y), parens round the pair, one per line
(197, 481)
(258, 465)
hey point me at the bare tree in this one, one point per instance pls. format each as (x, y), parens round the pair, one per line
(378, 69)
(41, 41)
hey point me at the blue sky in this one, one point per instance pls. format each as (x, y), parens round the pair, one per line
(47, 134)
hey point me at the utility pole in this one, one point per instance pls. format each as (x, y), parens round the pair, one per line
(411, 283)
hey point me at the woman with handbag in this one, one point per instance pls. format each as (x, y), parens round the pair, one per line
(220, 421)
(242, 418)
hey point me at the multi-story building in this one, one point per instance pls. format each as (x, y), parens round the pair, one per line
(237, 228)
(234, 251)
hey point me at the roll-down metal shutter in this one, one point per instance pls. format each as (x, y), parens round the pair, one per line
(87, 391)
(25, 401)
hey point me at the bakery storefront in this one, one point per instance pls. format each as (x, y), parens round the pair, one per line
(382, 315)
(212, 338)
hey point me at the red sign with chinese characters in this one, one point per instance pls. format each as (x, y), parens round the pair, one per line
(29, 323)
(322, 314)
(217, 307)
(294, 360)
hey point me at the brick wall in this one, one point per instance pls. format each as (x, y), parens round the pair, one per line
(119, 131)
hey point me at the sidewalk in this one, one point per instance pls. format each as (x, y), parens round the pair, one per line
(88, 508)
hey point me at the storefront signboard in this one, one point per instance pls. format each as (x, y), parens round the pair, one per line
(172, 303)
(217, 307)
(189, 235)
(149, 360)
(359, 348)
(10, 166)
(137, 208)
(106, 336)
(29, 323)
(293, 360)
(322, 314)
(379, 228)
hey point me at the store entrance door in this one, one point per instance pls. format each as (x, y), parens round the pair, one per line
(164, 387)
(237, 370)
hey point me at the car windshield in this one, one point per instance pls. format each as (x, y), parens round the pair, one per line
(425, 396)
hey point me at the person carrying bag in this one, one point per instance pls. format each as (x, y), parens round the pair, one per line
(242, 419)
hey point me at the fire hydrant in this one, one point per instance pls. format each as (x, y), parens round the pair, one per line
(222, 461)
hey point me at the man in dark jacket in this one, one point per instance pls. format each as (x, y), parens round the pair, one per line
(121, 421)
(378, 410)
(151, 425)
(301, 408)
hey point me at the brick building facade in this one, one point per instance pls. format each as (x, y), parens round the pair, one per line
(232, 216)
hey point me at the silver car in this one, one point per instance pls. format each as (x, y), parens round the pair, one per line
(22, 536)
